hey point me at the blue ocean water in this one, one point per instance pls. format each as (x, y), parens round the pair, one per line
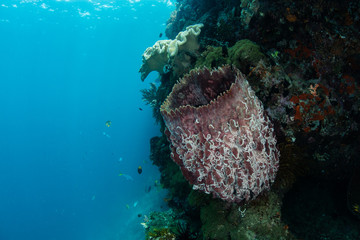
(66, 68)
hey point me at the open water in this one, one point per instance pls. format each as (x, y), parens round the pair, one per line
(66, 69)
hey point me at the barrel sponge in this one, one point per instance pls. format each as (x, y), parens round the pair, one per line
(220, 135)
(157, 57)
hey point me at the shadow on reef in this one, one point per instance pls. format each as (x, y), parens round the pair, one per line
(315, 208)
(302, 60)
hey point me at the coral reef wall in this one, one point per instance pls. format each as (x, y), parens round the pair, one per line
(301, 59)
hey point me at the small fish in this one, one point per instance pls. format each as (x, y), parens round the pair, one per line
(356, 208)
(106, 135)
(140, 109)
(148, 189)
(108, 123)
(127, 177)
(136, 203)
(127, 206)
(93, 198)
(120, 159)
(275, 54)
(139, 169)
(160, 35)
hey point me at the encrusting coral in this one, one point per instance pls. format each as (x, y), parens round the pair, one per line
(167, 55)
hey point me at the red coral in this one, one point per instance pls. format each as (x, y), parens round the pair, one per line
(300, 52)
(309, 107)
(220, 136)
(348, 85)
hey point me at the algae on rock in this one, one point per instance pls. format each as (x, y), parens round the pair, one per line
(243, 54)
(260, 219)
